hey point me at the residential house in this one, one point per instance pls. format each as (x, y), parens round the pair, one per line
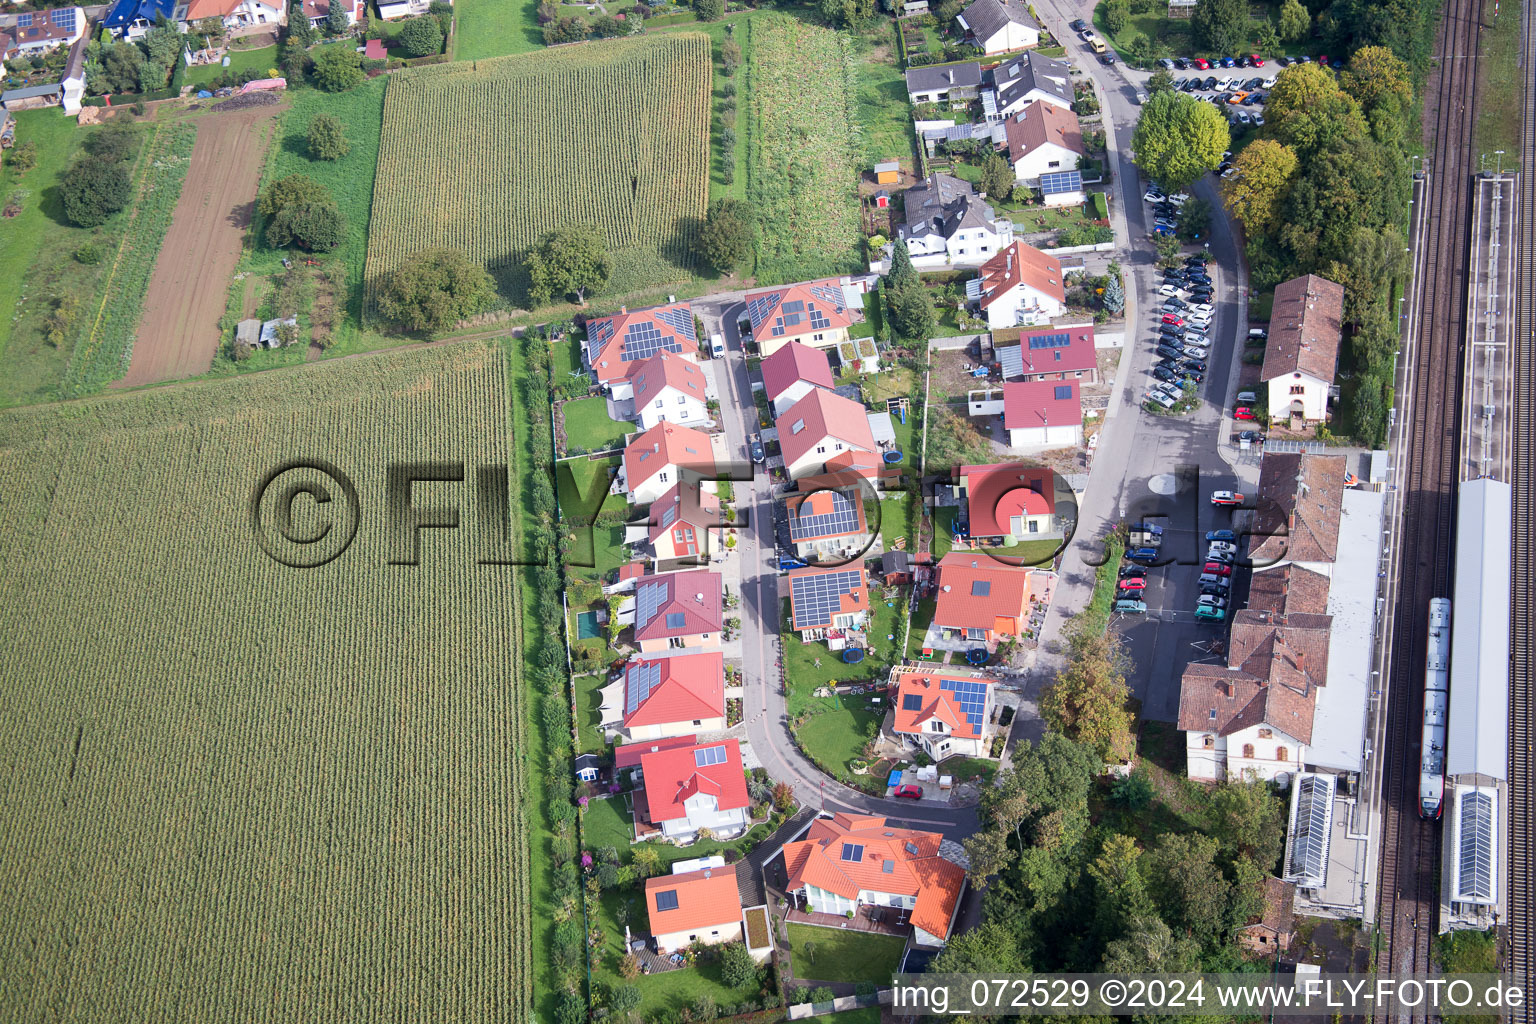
(820, 426)
(1306, 327)
(792, 372)
(686, 523)
(1275, 928)
(1288, 590)
(659, 458)
(237, 14)
(670, 389)
(943, 713)
(1049, 353)
(827, 524)
(850, 861)
(1062, 188)
(1007, 503)
(672, 695)
(1043, 138)
(691, 788)
(73, 82)
(318, 12)
(37, 32)
(694, 907)
(815, 313)
(829, 604)
(1030, 78)
(1298, 502)
(947, 217)
(618, 343)
(982, 600)
(951, 83)
(1019, 286)
(131, 19)
(1252, 717)
(628, 757)
(393, 10)
(1042, 414)
(999, 26)
(678, 611)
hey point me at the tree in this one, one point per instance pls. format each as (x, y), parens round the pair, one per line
(1295, 21)
(726, 237)
(1375, 76)
(1372, 258)
(1116, 12)
(1190, 890)
(1308, 111)
(114, 142)
(902, 274)
(997, 177)
(568, 261)
(565, 30)
(730, 55)
(647, 860)
(1255, 193)
(1161, 81)
(117, 70)
(338, 67)
(912, 315)
(422, 37)
(1088, 701)
(94, 190)
(300, 32)
(808, 950)
(1266, 37)
(435, 289)
(1179, 138)
(1148, 946)
(1194, 220)
(709, 10)
(1113, 298)
(1120, 893)
(1134, 791)
(547, 12)
(1247, 819)
(847, 13)
(301, 212)
(987, 949)
(327, 138)
(783, 796)
(1220, 25)
(294, 60)
(737, 968)
(1167, 249)
(335, 19)
(606, 26)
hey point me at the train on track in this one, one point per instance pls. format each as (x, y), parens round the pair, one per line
(1437, 700)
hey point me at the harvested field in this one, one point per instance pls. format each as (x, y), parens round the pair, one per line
(179, 332)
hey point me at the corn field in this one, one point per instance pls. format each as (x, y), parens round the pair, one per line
(234, 791)
(487, 159)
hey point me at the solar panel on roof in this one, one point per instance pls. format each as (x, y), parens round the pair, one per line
(707, 756)
(1475, 848)
(64, 17)
(666, 899)
(680, 319)
(648, 601)
(643, 340)
(971, 696)
(819, 319)
(853, 852)
(643, 678)
(832, 296)
(912, 702)
(793, 306)
(1309, 840)
(842, 520)
(817, 598)
(1050, 341)
(23, 21)
(760, 308)
(981, 588)
(1061, 181)
(676, 620)
(1063, 392)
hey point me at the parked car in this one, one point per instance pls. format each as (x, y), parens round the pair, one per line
(1160, 400)
(1228, 62)
(1078, 24)
(1194, 364)
(1210, 83)
(1210, 614)
(1193, 376)
(1168, 351)
(1223, 550)
(756, 449)
(1242, 412)
(1217, 569)
(1130, 571)
(1182, 63)
(1225, 536)
(1198, 351)
(1251, 436)
(1213, 601)
(1163, 373)
(1169, 318)
(1087, 35)
(1256, 60)
(1255, 83)
(1141, 554)
(1192, 85)
(1130, 606)
(1132, 583)
(1258, 119)
(908, 792)
(1107, 58)
(1244, 62)
(1166, 64)
(1168, 289)
(1175, 303)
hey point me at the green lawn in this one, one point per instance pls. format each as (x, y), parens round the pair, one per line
(844, 955)
(881, 107)
(893, 522)
(1032, 552)
(922, 618)
(261, 61)
(837, 735)
(1499, 83)
(589, 702)
(1174, 33)
(588, 427)
(943, 531)
(964, 769)
(495, 28)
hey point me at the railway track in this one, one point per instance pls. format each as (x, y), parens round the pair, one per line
(1520, 951)
(1408, 901)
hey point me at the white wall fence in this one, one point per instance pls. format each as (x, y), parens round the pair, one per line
(801, 1011)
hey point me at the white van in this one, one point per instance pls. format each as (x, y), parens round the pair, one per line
(1246, 398)
(716, 345)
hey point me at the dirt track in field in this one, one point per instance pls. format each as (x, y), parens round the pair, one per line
(179, 332)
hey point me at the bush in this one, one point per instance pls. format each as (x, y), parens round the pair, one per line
(422, 37)
(94, 190)
(88, 254)
(327, 138)
(435, 289)
(302, 213)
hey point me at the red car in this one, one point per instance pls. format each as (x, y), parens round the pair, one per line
(1323, 60)
(1226, 498)
(1217, 569)
(909, 792)
(1133, 583)
(1202, 64)
(1176, 321)
(1258, 61)
(1243, 413)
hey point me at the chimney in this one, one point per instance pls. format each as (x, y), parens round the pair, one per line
(1290, 520)
(623, 310)
(1301, 663)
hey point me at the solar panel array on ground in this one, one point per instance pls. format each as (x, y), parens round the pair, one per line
(842, 520)
(971, 695)
(818, 597)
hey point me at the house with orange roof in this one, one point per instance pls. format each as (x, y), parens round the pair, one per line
(663, 696)
(658, 459)
(685, 523)
(1020, 286)
(701, 906)
(671, 389)
(238, 13)
(791, 372)
(829, 604)
(943, 713)
(983, 600)
(849, 861)
(678, 610)
(815, 313)
(826, 524)
(820, 427)
(691, 788)
(619, 343)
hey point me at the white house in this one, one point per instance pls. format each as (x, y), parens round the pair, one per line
(1029, 79)
(669, 389)
(618, 343)
(820, 426)
(37, 32)
(318, 12)
(943, 714)
(700, 906)
(1302, 353)
(656, 459)
(999, 26)
(1252, 717)
(947, 217)
(667, 695)
(74, 77)
(692, 788)
(390, 10)
(1019, 286)
(238, 13)
(792, 372)
(1043, 138)
(948, 83)
(1042, 414)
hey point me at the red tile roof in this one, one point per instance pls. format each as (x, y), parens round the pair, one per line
(931, 701)
(1305, 329)
(685, 505)
(616, 343)
(633, 570)
(629, 755)
(1040, 403)
(1299, 502)
(1289, 590)
(795, 362)
(1038, 123)
(856, 600)
(766, 309)
(664, 370)
(996, 493)
(975, 591)
(704, 899)
(1018, 264)
(322, 9)
(824, 502)
(667, 444)
(680, 688)
(1275, 664)
(678, 604)
(675, 775)
(916, 869)
(1078, 354)
(373, 49)
(821, 415)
